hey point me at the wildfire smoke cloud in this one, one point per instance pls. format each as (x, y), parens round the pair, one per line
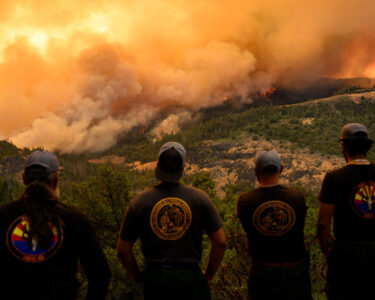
(75, 74)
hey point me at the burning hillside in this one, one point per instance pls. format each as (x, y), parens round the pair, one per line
(75, 75)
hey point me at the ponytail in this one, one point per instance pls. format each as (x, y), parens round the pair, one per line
(41, 208)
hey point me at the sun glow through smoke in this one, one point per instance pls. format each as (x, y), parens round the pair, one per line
(74, 73)
(39, 40)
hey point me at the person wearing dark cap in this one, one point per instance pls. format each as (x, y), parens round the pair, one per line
(170, 219)
(273, 217)
(42, 241)
(347, 197)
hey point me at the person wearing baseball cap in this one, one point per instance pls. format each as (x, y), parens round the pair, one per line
(170, 220)
(273, 217)
(347, 197)
(42, 240)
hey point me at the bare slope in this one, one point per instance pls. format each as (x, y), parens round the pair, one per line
(305, 135)
(235, 164)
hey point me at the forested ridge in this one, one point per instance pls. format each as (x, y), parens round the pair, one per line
(102, 191)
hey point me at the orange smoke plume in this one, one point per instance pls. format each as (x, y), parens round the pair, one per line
(76, 74)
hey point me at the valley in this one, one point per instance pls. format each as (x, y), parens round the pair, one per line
(220, 153)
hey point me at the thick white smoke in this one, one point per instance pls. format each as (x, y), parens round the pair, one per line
(171, 125)
(108, 95)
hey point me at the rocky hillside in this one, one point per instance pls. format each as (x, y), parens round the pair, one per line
(304, 134)
(232, 163)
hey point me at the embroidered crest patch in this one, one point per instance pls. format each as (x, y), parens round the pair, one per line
(29, 251)
(274, 218)
(363, 200)
(170, 218)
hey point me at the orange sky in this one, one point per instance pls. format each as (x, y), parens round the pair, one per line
(73, 73)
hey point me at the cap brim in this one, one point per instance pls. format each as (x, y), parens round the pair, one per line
(168, 176)
(353, 138)
(45, 166)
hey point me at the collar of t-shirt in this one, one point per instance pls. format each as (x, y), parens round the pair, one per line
(165, 184)
(359, 161)
(269, 185)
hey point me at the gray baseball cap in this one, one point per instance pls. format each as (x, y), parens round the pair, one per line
(354, 131)
(171, 175)
(265, 158)
(44, 159)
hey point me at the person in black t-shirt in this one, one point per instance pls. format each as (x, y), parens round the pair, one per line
(348, 197)
(170, 220)
(273, 217)
(42, 241)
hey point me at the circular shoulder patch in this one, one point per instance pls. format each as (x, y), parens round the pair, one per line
(274, 218)
(170, 218)
(363, 200)
(19, 245)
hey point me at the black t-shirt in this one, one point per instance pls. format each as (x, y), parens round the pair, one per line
(170, 219)
(352, 190)
(273, 218)
(31, 272)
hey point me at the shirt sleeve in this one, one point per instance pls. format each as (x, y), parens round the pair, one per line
(327, 191)
(301, 203)
(240, 206)
(93, 261)
(129, 229)
(211, 218)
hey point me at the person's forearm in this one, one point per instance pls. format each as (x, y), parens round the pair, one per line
(323, 235)
(216, 256)
(130, 264)
(326, 212)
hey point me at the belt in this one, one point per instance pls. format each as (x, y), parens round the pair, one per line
(277, 264)
(340, 242)
(173, 265)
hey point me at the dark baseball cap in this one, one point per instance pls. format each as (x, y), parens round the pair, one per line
(265, 158)
(353, 131)
(171, 162)
(44, 159)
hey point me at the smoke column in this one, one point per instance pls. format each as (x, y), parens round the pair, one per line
(76, 74)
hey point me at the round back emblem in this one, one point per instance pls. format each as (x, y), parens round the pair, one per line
(29, 251)
(170, 218)
(363, 200)
(274, 218)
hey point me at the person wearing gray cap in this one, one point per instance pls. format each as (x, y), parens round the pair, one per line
(170, 219)
(347, 197)
(273, 217)
(42, 241)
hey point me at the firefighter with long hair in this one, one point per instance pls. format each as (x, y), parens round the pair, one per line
(42, 241)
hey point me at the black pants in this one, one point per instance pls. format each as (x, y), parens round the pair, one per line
(175, 283)
(351, 271)
(280, 282)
